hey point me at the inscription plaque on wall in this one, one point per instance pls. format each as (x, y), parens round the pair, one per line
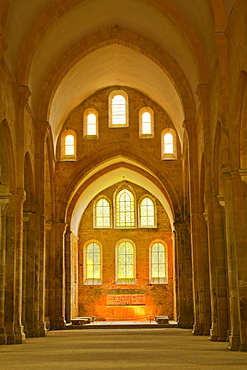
(126, 300)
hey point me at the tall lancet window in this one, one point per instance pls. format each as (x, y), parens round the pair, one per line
(93, 264)
(158, 263)
(147, 213)
(125, 263)
(102, 213)
(125, 209)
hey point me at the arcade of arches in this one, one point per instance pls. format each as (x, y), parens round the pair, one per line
(123, 164)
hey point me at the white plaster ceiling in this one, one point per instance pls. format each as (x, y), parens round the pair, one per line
(114, 65)
(146, 17)
(94, 15)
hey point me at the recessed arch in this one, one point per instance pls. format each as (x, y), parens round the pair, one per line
(110, 178)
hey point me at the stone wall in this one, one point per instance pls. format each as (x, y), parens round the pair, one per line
(158, 297)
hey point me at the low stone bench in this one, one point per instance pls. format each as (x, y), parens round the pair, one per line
(82, 320)
(162, 319)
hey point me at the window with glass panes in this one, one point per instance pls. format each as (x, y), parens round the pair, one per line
(146, 123)
(147, 213)
(93, 262)
(158, 263)
(102, 213)
(168, 143)
(125, 209)
(69, 145)
(91, 124)
(118, 110)
(125, 263)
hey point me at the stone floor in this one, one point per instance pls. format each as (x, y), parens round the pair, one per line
(139, 349)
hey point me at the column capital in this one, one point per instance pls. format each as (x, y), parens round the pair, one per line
(23, 93)
(5, 198)
(43, 127)
(189, 125)
(202, 92)
(20, 195)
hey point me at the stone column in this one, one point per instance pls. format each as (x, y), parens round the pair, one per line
(23, 95)
(48, 262)
(68, 276)
(236, 236)
(14, 250)
(57, 276)
(183, 274)
(28, 277)
(4, 200)
(41, 245)
(42, 129)
(198, 241)
(218, 269)
(9, 309)
(33, 289)
(205, 311)
(19, 333)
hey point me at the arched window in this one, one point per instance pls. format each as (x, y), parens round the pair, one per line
(158, 263)
(68, 145)
(125, 209)
(102, 213)
(118, 109)
(147, 213)
(90, 129)
(125, 263)
(169, 149)
(93, 264)
(168, 143)
(146, 122)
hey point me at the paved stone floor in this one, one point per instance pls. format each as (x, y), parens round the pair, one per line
(107, 349)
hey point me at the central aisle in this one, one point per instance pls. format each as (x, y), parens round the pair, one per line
(121, 349)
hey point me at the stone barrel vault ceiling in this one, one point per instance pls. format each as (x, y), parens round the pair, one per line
(63, 52)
